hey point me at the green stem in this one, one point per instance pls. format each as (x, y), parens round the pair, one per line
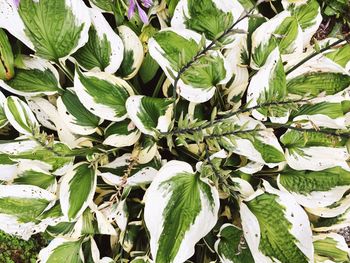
(313, 55)
(65, 70)
(159, 85)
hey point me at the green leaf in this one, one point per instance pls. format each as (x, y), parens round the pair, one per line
(75, 115)
(206, 17)
(37, 177)
(148, 69)
(105, 5)
(7, 70)
(62, 249)
(174, 49)
(36, 77)
(340, 55)
(331, 246)
(77, 190)
(180, 209)
(230, 247)
(121, 134)
(104, 50)
(3, 118)
(268, 86)
(133, 53)
(276, 227)
(45, 18)
(20, 116)
(315, 188)
(149, 113)
(314, 151)
(103, 94)
(259, 144)
(314, 83)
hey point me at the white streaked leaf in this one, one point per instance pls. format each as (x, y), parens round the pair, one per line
(62, 249)
(149, 113)
(314, 151)
(276, 228)
(20, 116)
(75, 115)
(174, 48)
(208, 17)
(269, 85)
(77, 190)
(133, 53)
(315, 189)
(332, 210)
(121, 134)
(104, 49)
(35, 77)
(103, 94)
(331, 247)
(20, 207)
(178, 197)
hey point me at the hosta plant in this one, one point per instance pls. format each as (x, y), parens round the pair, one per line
(174, 131)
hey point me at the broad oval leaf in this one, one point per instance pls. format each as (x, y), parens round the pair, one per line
(104, 49)
(230, 247)
(318, 75)
(314, 151)
(276, 228)
(315, 188)
(103, 94)
(262, 147)
(77, 190)
(75, 115)
(121, 134)
(35, 77)
(133, 53)
(20, 116)
(62, 249)
(208, 17)
(20, 208)
(180, 209)
(268, 86)
(173, 49)
(149, 114)
(44, 18)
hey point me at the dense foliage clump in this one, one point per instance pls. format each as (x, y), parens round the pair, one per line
(174, 131)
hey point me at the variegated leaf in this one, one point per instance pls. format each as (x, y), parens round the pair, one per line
(267, 86)
(103, 94)
(133, 53)
(35, 77)
(333, 210)
(3, 119)
(314, 151)
(173, 49)
(150, 114)
(230, 247)
(180, 209)
(331, 247)
(20, 116)
(61, 249)
(315, 189)
(121, 134)
(104, 49)
(77, 190)
(208, 17)
(20, 208)
(75, 115)
(276, 228)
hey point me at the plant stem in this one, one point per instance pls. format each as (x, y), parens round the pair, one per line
(65, 70)
(159, 85)
(313, 55)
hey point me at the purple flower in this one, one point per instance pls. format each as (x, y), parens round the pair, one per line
(134, 3)
(16, 2)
